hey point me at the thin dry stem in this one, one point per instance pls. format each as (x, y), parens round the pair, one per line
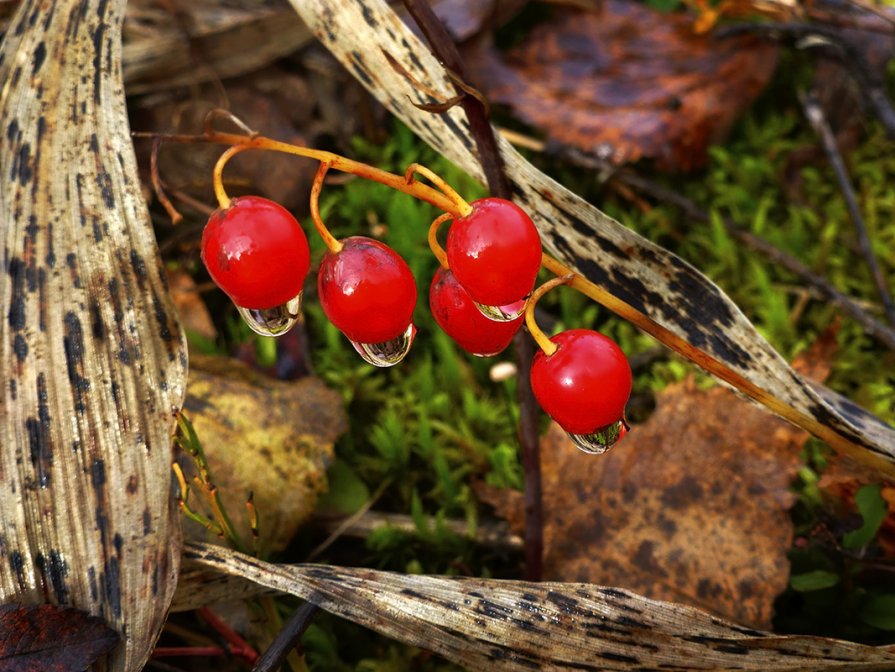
(173, 213)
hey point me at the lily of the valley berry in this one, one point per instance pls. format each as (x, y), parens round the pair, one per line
(257, 253)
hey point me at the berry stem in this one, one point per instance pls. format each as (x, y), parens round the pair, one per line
(540, 337)
(218, 179)
(332, 243)
(462, 206)
(416, 189)
(436, 248)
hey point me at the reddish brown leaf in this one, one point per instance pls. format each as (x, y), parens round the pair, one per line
(628, 83)
(47, 638)
(690, 507)
(194, 315)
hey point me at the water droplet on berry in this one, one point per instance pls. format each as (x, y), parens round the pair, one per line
(387, 353)
(274, 321)
(603, 439)
(506, 313)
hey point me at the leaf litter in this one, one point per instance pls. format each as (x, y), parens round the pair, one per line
(627, 82)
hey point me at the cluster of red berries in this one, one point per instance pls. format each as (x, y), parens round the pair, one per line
(257, 253)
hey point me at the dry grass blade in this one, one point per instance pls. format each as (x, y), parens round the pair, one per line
(646, 284)
(512, 625)
(92, 358)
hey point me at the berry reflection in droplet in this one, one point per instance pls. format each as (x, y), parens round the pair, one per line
(388, 353)
(598, 442)
(274, 321)
(506, 313)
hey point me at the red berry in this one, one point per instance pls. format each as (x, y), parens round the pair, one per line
(495, 252)
(367, 290)
(256, 252)
(457, 315)
(585, 384)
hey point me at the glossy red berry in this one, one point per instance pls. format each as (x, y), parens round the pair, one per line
(495, 252)
(456, 314)
(256, 252)
(367, 290)
(585, 384)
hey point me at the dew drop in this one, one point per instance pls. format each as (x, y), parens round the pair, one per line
(506, 313)
(387, 353)
(274, 321)
(598, 442)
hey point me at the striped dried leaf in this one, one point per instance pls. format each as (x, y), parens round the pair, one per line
(93, 361)
(646, 284)
(512, 625)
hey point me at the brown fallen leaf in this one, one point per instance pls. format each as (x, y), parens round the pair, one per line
(627, 83)
(690, 507)
(191, 309)
(268, 437)
(47, 638)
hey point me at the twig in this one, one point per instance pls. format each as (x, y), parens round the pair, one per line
(845, 303)
(237, 645)
(840, 48)
(818, 120)
(488, 534)
(287, 639)
(499, 185)
(446, 52)
(175, 216)
(345, 524)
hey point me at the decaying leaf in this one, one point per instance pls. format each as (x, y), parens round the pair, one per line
(203, 40)
(692, 506)
(487, 624)
(92, 357)
(628, 82)
(47, 638)
(264, 436)
(646, 284)
(193, 313)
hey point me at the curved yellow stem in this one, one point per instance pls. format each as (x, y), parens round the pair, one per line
(416, 189)
(437, 249)
(332, 243)
(462, 206)
(217, 176)
(543, 341)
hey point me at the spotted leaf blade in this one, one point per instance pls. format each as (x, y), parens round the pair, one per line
(92, 357)
(488, 624)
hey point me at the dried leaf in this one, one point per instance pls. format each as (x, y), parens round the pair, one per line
(628, 82)
(193, 313)
(46, 638)
(204, 40)
(512, 625)
(654, 289)
(92, 357)
(692, 506)
(264, 436)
